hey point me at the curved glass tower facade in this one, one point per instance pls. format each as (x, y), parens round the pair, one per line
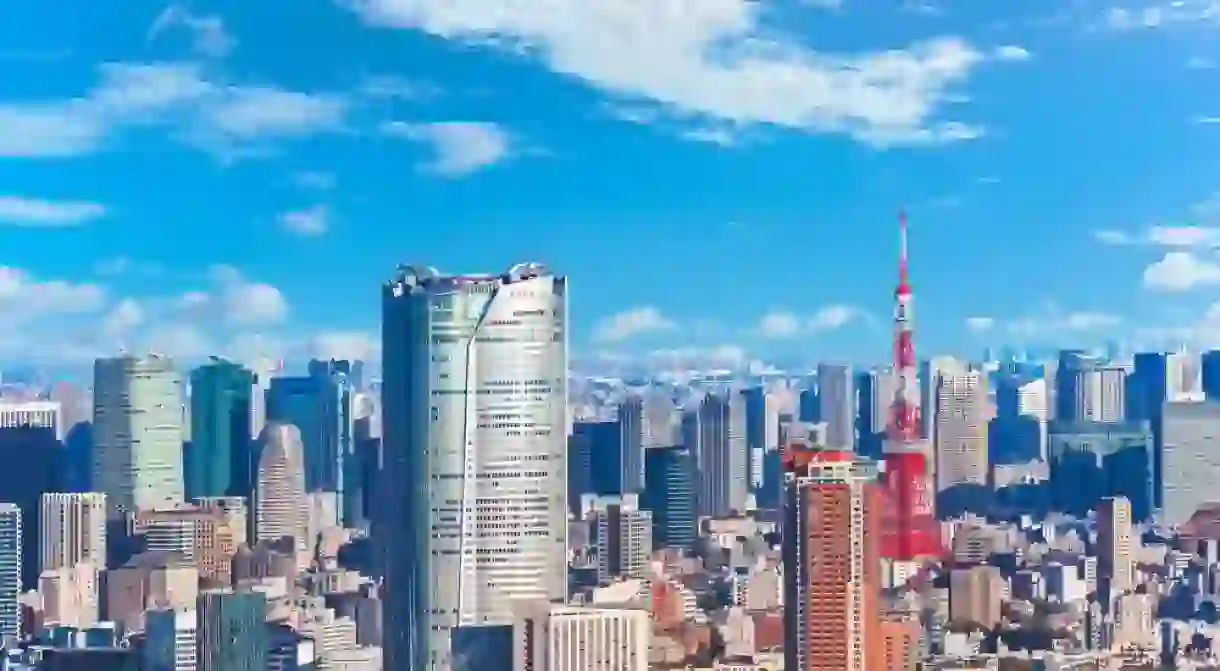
(473, 501)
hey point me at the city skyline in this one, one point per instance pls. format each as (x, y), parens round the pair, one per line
(132, 159)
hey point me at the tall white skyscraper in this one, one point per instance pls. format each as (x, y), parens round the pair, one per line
(137, 432)
(10, 571)
(473, 515)
(72, 531)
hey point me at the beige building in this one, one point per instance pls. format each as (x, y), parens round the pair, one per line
(69, 596)
(975, 596)
(72, 531)
(1115, 543)
(280, 505)
(962, 416)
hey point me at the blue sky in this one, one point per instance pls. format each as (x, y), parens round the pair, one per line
(718, 178)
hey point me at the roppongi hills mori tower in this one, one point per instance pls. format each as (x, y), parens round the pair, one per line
(474, 515)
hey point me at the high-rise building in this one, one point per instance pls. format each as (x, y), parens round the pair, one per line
(36, 453)
(475, 410)
(169, 640)
(963, 414)
(669, 494)
(622, 534)
(320, 406)
(1092, 460)
(43, 414)
(1116, 543)
(280, 506)
(10, 571)
(723, 460)
(1190, 458)
(219, 462)
(832, 579)
(72, 531)
(975, 596)
(837, 405)
(137, 432)
(232, 634)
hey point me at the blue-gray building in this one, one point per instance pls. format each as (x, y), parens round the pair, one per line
(232, 633)
(320, 405)
(669, 493)
(1092, 460)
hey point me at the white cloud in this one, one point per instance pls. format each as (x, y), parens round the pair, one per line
(208, 32)
(348, 345)
(632, 323)
(779, 325)
(1200, 63)
(712, 59)
(462, 147)
(1207, 120)
(246, 303)
(122, 318)
(1162, 13)
(1012, 52)
(214, 115)
(309, 222)
(1054, 322)
(833, 317)
(309, 179)
(1163, 236)
(980, 324)
(23, 295)
(32, 212)
(1181, 271)
(690, 358)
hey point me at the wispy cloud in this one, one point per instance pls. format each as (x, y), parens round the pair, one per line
(36, 213)
(210, 38)
(218, 116)
(1012, 52)
(716, 61)
(460, 147)
(310, 222)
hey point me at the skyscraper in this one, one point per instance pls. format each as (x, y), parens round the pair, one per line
(963, 414)
(474, 404)
(137, 432)
(232, 633)
(10, 570)
(722, 459)
(220, 463)
(837, 405)
(669, 493)
(1116, 543)
(72, 530)
(832, 615)
(280, 506)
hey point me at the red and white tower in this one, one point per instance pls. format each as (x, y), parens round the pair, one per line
(911, 525)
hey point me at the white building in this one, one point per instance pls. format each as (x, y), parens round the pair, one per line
(137, 432)
(565, 638)
(475, 409)
(48, 414)
(1190, 459)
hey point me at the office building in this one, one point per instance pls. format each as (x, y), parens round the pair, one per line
(975, 596)
(280, 505)
(219, 462)
(10, 571)
(137, 433)
(1116, 543)
(38, 455)
(1092, 460)
(1190, 458)
(669, 494)
(837, 405)
(72, 531)
(232, 633)
(723, 460)
(169, 641)
(41, 414)
(832, 564)
(622, 536)
(475, 377)
(568, 638)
